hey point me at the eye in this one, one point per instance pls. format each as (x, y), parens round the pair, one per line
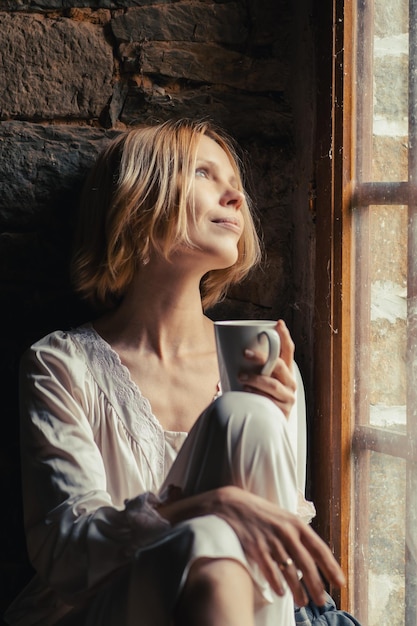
(202, 172)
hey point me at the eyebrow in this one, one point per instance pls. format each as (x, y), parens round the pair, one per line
(233, 180)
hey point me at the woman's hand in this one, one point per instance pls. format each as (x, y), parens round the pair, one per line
(279, 542)
(280, 386)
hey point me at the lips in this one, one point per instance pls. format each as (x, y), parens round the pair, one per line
(227, 221)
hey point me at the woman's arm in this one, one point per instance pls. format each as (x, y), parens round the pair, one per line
(269, 536)
(76, 536)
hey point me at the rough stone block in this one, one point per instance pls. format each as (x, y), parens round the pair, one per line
(26, 5)
(206, 63)
(391, 87)
(188, 21)
(389, 158)
(41, 165)
(53, 68)
(391, 18)
(243, 115)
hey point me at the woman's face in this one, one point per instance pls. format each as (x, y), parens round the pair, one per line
(218, 223)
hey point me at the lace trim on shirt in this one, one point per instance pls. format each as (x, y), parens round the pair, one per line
(123, 391)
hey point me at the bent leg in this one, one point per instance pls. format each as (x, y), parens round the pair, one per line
(241, 439)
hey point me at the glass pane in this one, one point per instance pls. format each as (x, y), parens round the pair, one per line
(381, 315)
(388, 315)
(381, 400)
(386, 540)
(382, 90)
(390, 101)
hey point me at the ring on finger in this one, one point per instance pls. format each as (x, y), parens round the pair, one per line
(282, 566)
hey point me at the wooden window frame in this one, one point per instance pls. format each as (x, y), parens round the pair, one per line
(331, 428)
(333, 433)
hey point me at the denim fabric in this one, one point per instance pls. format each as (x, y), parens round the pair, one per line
(326, 615)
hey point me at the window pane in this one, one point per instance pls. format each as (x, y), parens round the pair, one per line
(386, 540)
(388, 302)
(382, 88)
(381, 315)
(390, 102)
(381, 235)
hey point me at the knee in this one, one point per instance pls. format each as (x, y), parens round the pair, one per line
(253, 427)
(235, 409)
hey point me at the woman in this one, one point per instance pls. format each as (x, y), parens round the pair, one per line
(129, 520)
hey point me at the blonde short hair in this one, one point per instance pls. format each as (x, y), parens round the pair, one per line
(136, 200)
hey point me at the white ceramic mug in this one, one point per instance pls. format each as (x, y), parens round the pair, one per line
(233, 337)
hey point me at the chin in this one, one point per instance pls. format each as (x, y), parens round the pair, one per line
(214, 258)
(227, 262)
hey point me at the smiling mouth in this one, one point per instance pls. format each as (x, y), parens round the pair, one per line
(229, 223)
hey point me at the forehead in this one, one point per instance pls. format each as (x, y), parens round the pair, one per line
(209, 150)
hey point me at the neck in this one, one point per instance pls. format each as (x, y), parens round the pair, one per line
(161, 312)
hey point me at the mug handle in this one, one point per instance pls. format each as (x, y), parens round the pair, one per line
(274, 348)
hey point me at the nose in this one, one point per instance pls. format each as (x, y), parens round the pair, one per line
(232, 198)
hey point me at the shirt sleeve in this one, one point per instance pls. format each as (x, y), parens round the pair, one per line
(76, 536)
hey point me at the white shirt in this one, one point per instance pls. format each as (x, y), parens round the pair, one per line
(90, 442)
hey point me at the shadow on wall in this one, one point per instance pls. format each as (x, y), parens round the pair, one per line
(30, 309)
(36, 296)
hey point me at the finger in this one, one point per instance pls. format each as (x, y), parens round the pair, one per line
(324, 558)
(287, 566)
(281, 371)
(276, 565)
(284, 374)
(256, 357)
(282, 395)
(311, 576)
(284, 405)
(272, 574)
(289, 571)
(281, 383)
(257, 549)
(309, 555)
(287, 344)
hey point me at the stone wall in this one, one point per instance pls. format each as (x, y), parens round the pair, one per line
(74, 72)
